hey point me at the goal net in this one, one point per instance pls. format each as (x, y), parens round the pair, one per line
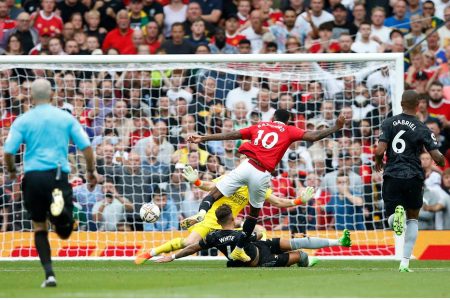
(139, 110)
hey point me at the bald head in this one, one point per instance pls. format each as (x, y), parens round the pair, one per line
(410, 99)
(41, 90)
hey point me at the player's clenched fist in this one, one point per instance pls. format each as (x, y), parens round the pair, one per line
(195, 139)
(340, 121)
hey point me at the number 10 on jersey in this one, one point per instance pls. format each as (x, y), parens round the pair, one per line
(265, 138)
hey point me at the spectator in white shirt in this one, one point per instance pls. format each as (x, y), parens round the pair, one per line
(246, 93)
(432, 178)
(444, 31)
(361, 105)
(175, 88)
(264, 105)
(365, 45)
(255, 32)
(379, 33)
(318, 15)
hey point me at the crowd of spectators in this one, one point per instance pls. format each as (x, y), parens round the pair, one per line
(138, 121)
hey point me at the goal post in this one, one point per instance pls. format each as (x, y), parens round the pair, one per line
(138, 110)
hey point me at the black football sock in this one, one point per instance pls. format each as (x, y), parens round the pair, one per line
(43, 248)
(247, 229)
(207, 202)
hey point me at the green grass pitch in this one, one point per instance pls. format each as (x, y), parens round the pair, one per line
(213, 279)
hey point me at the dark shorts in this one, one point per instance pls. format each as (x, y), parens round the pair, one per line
(37, 187)
(400, 191)
(270, 254)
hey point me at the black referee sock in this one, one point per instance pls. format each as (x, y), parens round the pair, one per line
(43, 248)
(247, 229)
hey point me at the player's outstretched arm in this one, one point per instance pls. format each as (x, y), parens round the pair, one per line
(191, 175)
(379, 155)
(313, 136)
(305, 196)
(438, 158)
(189, 250)
(234, 135)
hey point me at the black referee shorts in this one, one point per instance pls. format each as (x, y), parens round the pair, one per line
(270, 254)
(402, 191)
(37, 188)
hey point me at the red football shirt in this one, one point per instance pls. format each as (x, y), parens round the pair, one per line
(441, 109)
(269, 142)
(123, 43)
(52, 25)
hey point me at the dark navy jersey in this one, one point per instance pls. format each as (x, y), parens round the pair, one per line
(406, 137)
(225, 241)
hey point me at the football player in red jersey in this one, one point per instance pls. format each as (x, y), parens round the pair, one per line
(268, 143)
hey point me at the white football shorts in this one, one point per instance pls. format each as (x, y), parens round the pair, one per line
(245, 174)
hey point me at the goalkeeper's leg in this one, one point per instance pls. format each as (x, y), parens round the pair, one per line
(172, 245)
(205, 205)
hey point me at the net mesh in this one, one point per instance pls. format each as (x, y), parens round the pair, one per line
(139, 115)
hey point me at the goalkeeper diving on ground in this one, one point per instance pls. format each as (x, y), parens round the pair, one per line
(270, 253)
(237, 202)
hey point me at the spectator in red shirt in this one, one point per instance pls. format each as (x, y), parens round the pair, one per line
(5, 22)
(438, 106)
(324, 44)
(233, 36)
(153, 36)
(141, 128)
(120, 38)
(46, 21)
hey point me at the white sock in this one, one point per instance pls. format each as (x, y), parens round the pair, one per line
(310, 243)
(412, 230)
(391, 220)
(334, 242)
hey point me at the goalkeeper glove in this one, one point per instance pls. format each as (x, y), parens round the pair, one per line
(191, 175)
(305, 195)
